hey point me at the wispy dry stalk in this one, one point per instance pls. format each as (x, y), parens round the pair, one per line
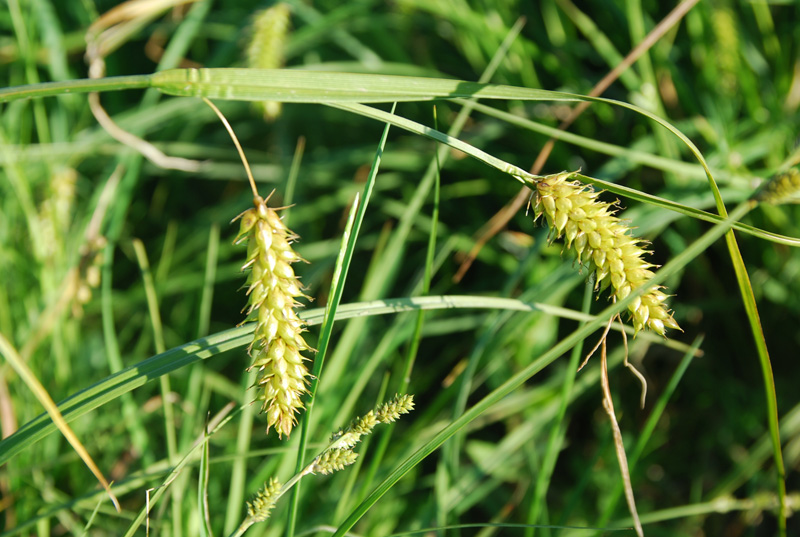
(622, 458)
(110, 31)
(603, 242)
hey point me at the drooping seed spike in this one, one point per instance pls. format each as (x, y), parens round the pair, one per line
(603, 242)
(277, 338)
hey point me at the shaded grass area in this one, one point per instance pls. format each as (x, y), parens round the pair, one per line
(726, 76)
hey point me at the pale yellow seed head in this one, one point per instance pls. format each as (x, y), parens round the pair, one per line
(603, 241)
(277, 339)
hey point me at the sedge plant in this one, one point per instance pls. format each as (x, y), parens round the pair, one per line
(503, 415)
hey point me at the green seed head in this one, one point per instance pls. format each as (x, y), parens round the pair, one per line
(277, 340)
(363, 425)
(603, 242)
(266, 47)
(259, 509)
(334, 460)
(782, 188)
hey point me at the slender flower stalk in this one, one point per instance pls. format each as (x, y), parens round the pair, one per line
(272, 290)
(603, 243)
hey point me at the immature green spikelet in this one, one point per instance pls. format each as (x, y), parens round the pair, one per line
(782, 188)
(727, 50)
(277, 340)
(391, 411)
(336, 456)
(259, 509)
(265, 50)
(333, 460)
(388, 412)
(602, 241)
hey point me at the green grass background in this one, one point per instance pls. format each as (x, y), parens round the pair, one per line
(727, 76)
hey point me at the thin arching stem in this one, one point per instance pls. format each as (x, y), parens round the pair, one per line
(236, 143)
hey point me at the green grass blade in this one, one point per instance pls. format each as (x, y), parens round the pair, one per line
(304, 86)
(287, 85)
(339, 278)
(319, 87)
(343, 260)
(238, 480)
(413, 346)
(49, 89)
(209, 277)
(418, 128)
(557, 431)
(291, 178)
(164, 381)
(699, 214)
(193, 352)
(202, 491)
(749, 299)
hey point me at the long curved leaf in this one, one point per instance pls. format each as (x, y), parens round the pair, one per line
(152, 368)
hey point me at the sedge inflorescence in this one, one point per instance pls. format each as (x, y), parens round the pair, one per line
(260, 508)
(272, 288)
(336, 456)
(339, 452)
(603, 243)
(782, 188)
(266, 48)
(387, 412)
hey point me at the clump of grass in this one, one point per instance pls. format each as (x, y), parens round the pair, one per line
(603, 242)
